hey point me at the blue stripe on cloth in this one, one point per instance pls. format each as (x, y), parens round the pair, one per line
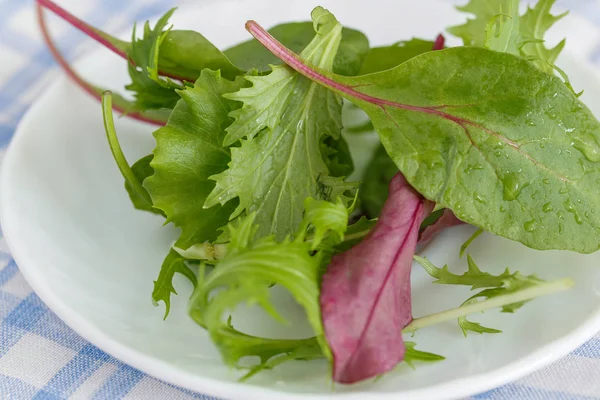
(13, 388)
(8, 272)
(591, 349)
(52, 328)
(516, 391)
(27, 314)
(8, 302)
(74, 374)
(120, 383)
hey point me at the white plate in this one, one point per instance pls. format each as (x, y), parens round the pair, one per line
(92, 258)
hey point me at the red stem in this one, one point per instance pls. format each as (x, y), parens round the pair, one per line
(93, 33)
(76, 77)
(440, 41)
(82, 26)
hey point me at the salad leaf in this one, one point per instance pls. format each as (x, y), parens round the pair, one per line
(187, 53)
(148, 91)
(188, 151)
(141, 170)
(246, 273)
(496, 286)
(284, 119)
(365, 294)
(534, 24)
(163, 285)
(469, 241)
(373, 191)
(536, 145)
(498, 26)
(250, 55)
(382, 58)
(413, 355)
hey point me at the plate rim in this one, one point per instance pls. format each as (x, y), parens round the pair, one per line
(165, 371)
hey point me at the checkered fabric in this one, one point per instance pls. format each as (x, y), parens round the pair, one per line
(40, 357)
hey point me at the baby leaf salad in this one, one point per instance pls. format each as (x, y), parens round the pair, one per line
(251, 163)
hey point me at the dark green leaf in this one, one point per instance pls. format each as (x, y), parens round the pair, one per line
(296, 36)
(373, 191)
(382, 58)
(187, 53)
(149, 94)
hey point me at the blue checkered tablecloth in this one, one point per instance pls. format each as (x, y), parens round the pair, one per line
(42, 358)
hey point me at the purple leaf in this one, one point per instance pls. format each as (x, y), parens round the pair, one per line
(365, 294)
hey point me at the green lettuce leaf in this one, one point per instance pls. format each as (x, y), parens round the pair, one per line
(251, 266)
(188, 151)
(284, 119)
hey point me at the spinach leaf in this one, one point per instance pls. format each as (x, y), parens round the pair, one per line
(252, 55)
(455, 118)
(284, 119)
(382, 58)
(188, 151)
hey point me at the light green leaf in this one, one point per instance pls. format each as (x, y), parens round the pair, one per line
(497, 286)
(474, 32)
(188, 151)
(466, 325)
(163, 285)
(469, 241)
(474, 277)
(141, 170)
(284, 119)
(250, 267)
(534, 25)
(498, 26)
(413, 355)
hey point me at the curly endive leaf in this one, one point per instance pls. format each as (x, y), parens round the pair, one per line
(284, 119)
(498, 26)
(188, 151)
(251, 266)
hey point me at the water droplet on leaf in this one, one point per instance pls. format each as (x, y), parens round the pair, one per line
(530, 226)
(547, 207)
